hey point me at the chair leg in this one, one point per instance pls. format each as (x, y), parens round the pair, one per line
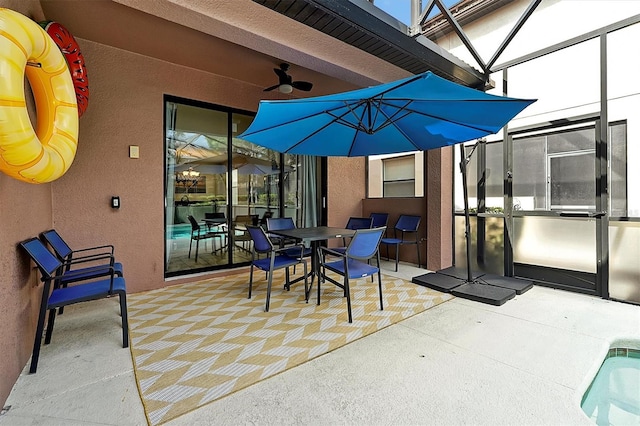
(380, 289)
(197, 245)
(250, 280)
(61, 308)
(397, 254)
(125, 319)
(287, 278)
(418, 246)
(50, 323)
(39, 330)
(287, 286)
(266, 308)
(306, 283)
(323, 271)
(190, 244)
(346, 289)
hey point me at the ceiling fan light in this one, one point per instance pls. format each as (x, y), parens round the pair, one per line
(285, 88)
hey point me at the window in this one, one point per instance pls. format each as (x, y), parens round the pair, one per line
(556, 170)
(552, 171)
(394, 175)
(399, 177)
(571, 183)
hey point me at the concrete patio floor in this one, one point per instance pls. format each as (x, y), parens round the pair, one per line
(527, 362)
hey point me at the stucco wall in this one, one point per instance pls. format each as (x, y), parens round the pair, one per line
(346, 186)
(126, 108)
(25, 210)
(438, 207)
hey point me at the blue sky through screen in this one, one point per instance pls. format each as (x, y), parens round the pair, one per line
(401, 9)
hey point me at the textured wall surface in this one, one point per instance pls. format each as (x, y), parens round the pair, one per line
(126, 108)
(25, 211)
(438, 205)
(346, 188)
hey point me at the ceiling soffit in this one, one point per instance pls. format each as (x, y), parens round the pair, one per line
(360, 24)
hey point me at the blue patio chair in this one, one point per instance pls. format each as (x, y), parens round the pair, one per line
(354, 223)
(81, 264)
(354, 262)
(55, 296)
(406, 225)
(275, 259)
(379, 219)
(280, 223)
(100, 260)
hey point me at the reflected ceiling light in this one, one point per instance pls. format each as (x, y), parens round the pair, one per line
(188, 176)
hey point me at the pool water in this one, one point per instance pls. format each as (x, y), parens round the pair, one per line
(614, 395)
(179, 231)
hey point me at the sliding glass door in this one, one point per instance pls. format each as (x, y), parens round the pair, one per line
(216, 184)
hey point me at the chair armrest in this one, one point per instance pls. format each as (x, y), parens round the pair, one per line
(288, 249)
(106, 246)
(90, 258)
(85, 272)
(332, 252)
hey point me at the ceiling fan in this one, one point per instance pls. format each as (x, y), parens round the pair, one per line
(286, 85)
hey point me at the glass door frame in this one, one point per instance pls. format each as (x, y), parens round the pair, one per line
(548, 276)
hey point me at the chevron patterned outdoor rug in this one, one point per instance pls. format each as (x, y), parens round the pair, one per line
(198, 342)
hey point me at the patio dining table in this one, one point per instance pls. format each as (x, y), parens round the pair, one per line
(313, 236)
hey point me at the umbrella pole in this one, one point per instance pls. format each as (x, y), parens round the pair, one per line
(486, 288)
(467, 220)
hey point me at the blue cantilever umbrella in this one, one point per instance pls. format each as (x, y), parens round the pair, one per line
(417, 113)
(413, 114)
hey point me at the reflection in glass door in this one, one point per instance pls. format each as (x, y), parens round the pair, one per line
(217, 184)
(196, 229)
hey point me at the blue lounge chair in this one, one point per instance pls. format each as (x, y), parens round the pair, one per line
(54, 295)
(100, 260)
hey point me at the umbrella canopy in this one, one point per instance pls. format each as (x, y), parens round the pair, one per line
(259, 169)
(245, 165)
(413, 114)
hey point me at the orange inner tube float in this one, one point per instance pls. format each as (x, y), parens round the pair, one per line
(75, 61)
(45, 154)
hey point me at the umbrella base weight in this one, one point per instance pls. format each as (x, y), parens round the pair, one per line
(516, 284)
(439, 282)
(459, 273)
(484, 293)
(485, 288)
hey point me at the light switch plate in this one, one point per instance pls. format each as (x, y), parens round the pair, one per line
(134, 151)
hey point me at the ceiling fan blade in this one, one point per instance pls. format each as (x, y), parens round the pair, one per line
(268, 89)
(302, 85)
(281, 74)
